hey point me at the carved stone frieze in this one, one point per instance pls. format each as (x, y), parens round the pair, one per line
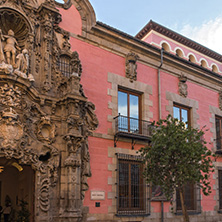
(75, 63)
(86, 170)
(73, 142)
(46, 130)
(44, 195)
(131, 66)
(11, 130)
(183, 86)
(90, 117)
(10, 96)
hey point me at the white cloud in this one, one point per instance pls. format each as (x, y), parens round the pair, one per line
(209, 34)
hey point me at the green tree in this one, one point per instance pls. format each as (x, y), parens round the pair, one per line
(177, 156)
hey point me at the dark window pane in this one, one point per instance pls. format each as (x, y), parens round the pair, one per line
(218, 133)
(189, 197)
(123, 185)
(220, 188)
(135, 185)
(130, 185)
(64, 65)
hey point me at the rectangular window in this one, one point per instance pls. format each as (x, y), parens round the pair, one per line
(220, 188)
(132, 191)
(182, 113)
(129, 111)
(218, 121)
(189, 198)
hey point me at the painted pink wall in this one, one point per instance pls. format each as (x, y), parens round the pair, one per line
(96, 64)
(71, 20)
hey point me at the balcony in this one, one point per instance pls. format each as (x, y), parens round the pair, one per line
(129, 127)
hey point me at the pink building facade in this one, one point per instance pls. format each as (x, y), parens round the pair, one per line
(81, 108)
(127, 77)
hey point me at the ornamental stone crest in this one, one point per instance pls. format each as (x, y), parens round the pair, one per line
(131, 66)
(11, 130)
(183, 86)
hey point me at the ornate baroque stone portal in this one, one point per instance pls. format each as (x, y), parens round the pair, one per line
(45, 118)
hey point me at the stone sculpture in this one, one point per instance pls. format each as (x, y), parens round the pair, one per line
(10, 47)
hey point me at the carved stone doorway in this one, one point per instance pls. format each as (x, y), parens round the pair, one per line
(16, 184)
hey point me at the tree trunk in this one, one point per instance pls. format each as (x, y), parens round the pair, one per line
(184, 209)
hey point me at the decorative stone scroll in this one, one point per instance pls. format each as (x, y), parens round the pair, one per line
(131, 66)
(183, 86)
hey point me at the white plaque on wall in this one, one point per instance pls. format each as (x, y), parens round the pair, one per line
(97, 195)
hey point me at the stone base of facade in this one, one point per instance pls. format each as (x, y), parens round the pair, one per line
(155, 217)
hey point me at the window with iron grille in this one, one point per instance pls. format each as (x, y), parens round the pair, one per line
(64, 65)
(218, 121)
(132, 196)
(220, 188)
(189, 198)
(191, 191)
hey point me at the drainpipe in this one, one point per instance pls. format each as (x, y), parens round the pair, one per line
(159, 83)
(159, 101)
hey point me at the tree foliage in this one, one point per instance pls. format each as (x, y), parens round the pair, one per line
(177, 156)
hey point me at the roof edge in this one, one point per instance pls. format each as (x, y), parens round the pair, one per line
(151, 25)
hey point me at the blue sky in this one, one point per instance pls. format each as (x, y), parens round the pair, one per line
(200, 20)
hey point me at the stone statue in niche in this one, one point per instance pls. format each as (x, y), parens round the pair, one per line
(183, 86)
(22, 62)
(11, 58)
(131, 66)
(10, 47)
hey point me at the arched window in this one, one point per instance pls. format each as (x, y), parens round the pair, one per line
(179, 53)
(203, 63)
(166, 47)
(192, 59)
(214, 68)
(64, 65)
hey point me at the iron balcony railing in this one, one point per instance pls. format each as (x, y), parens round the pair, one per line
(133, 126)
